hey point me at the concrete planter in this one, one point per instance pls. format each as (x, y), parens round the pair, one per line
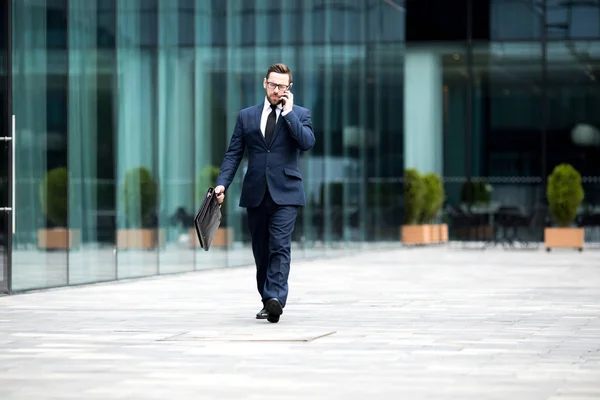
(564, 238)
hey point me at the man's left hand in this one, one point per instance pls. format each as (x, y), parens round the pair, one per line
(220, 192)
(289, 101)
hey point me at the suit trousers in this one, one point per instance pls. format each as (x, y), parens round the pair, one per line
(271, 226)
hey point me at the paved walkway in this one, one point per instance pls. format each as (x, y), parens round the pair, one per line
(435, 323)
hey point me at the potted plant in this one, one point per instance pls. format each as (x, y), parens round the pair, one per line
(431, 205)
(224, 235)
(139, 195)
(54, 198)
(437, 196)
(442, 198)
(412, 232)
(565, 194)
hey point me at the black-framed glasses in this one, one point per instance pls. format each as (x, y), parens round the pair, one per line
(283, 88)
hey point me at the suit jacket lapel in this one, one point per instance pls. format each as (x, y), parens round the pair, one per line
(258, 116)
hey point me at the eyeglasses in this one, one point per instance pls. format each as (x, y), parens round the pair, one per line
(283, 88)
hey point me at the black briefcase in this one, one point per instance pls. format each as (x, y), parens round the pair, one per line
(208, 219)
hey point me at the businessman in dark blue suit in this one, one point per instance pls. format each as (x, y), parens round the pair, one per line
(274, 132)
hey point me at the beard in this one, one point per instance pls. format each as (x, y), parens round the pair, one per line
(273, 99)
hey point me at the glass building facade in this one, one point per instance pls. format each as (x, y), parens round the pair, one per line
(115, 114)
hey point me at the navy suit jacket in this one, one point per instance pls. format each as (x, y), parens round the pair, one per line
(274, 166)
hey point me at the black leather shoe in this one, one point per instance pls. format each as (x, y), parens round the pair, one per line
(274, 310)
(262, 314)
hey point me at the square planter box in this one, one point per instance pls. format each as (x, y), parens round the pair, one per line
(58, 238)
(140, 238)
(435, 233)
(223, 238)
(416, 234)
(564, 238)
(443, 233)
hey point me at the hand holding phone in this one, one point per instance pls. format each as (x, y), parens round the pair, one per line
(287, 99)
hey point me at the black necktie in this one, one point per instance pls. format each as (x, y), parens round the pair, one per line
(270, 124)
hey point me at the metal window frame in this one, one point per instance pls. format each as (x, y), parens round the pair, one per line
(6, 284)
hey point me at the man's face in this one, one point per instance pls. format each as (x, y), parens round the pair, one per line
(275, 86)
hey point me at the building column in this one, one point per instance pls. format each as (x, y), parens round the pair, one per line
(423, 111)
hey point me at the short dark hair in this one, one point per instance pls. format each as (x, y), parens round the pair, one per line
(279, 69)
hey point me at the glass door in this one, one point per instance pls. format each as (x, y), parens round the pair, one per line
(6, 149)
(5, 209)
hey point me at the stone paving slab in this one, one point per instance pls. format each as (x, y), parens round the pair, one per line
(254, 335)
(422, 323)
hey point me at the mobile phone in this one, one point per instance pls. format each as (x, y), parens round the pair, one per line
(282, 101)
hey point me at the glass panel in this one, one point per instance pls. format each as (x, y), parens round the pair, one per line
(434, 106)
(455, 105)
(209, 135)
(506, 158)
(175, 94)
(573, 100)
(234, 75)
(384, 141)
(40, 105)
(350, 146)
(91, 179)
(507, 99)
(288, 23)
(307, 90)
(523, 19)
(209, 138)
(5, 147)
(573, 134)
(137, 174)
(5, 216)
(326, 113)
(515, 19)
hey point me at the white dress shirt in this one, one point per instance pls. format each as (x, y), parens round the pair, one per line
(265, 114)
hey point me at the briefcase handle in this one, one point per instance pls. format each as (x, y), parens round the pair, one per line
(209, 192)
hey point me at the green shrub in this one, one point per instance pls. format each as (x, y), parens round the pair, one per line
(140, 193)
(414, 190)
(442, 194)
(565, 194)
(54, 196)
(433, 197)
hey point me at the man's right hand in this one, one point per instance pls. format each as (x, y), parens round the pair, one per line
(220, 191)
